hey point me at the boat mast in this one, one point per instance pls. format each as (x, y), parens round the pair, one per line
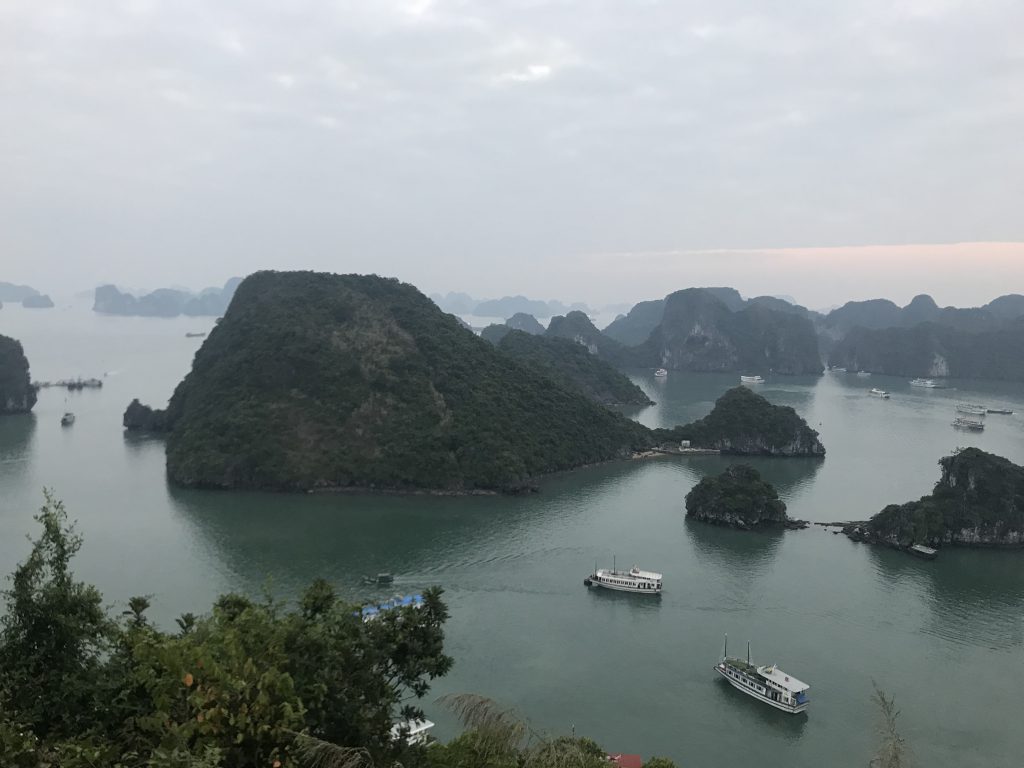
(748, 653)
(725, 649)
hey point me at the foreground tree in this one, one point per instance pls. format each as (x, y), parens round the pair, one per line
(244, 686)
(892, 748)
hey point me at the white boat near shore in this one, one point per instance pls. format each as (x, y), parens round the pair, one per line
(764, 683)
(751, 380)
(879, 393)
(633, 580)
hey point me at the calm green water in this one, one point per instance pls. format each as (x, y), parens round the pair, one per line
(946, 637)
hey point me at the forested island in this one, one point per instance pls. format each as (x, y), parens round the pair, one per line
(17, 395)
(318, 381)
(166, 302)
(572, 366)
(744, 423)
(737, 498)
(978, 501)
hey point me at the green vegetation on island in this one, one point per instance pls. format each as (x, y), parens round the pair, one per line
(699, 332)
(745, 423)
(40, 301)
(325, 381)
(573, 367)
(934, 350)
(17, 395)
(978, 501)
(303, 684)
(737, 498)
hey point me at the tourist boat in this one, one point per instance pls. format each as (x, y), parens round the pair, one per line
(768, 684)
(926, 383)
(633, 580)
(751, 380)
(975, 425)
(413, 731)
(661, 373)
(863, 373)
(380, 578)
(879, 393)
(971, 409)
(838, 370)
(1001, 411)
(919, 550)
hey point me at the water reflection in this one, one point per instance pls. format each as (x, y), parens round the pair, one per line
(973, 596)
(752, 713)
(740, 558)
(16, 434)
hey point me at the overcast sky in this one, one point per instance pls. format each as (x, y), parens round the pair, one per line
(594, 150)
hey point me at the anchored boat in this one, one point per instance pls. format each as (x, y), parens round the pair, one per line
(751, 380)
(67, 419)
(879, 393)
(768, 684)
(633, 580)
(971, 409)
(661, 373)
(974, 425)
(926, 383)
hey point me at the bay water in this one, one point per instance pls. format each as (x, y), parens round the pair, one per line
(946, 638)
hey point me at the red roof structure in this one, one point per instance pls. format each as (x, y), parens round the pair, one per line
(626, 761)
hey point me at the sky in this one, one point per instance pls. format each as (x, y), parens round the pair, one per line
(586, 150)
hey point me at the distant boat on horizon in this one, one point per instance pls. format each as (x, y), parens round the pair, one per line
(879, 393)
(974, 425)
(925, 383)
(751, 380)
(863, 373)
(661, 373)
(971, 409)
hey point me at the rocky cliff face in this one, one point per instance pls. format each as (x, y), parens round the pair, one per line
(41, 301)
(978, 501)
(934, 350)
(17, 395)
(698, 332)
(737, 498)
(576, 326)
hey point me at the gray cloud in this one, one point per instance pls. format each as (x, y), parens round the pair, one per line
(471, 145)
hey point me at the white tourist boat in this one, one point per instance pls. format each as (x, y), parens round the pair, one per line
(768, 684)
(971, 409)
(413, 731)
(925, 383)
(966, 422)
(875, 391)
(661, 373)
(751, 380)
(633, 580)
(864, 373)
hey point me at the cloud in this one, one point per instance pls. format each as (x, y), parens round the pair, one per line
(443, 140)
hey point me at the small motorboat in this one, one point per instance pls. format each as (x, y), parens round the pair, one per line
(379, 579)
(67, 419)
(661, 373)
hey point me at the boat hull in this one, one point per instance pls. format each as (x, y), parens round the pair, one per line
(591, 582)
(791, 709)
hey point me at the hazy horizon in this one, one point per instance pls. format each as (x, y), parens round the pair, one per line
(597, 152)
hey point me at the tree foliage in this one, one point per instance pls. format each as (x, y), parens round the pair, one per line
(238, 687)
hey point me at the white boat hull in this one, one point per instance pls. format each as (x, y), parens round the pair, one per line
(624, 588)
(791, 709)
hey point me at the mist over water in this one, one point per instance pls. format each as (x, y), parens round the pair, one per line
(946, 638)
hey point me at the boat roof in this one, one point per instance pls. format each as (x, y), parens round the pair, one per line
(411, 727)
(923, 548)
(633, 572)
(779, 677)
